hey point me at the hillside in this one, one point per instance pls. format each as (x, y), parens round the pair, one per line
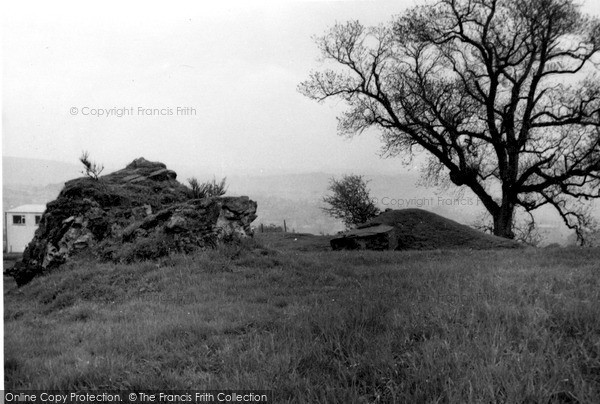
(36, 172)
(316, 326)
(295, 198)
(17, 194)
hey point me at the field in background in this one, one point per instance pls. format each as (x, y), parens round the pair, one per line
(281, 313)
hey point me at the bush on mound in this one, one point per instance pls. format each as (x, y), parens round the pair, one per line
(417, 229)
(139, 212)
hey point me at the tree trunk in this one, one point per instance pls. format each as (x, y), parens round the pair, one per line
(503, 221)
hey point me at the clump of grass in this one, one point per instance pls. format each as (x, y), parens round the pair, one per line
(152, 247)
(206, 189)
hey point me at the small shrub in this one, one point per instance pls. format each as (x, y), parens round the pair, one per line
(206, 189)
(350, 200)
(91, 168)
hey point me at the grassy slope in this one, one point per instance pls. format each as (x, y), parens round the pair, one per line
(432, 326)
(418, 229)
(295, 242)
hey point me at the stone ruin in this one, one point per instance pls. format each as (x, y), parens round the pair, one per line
(139, 212)
(367, 237)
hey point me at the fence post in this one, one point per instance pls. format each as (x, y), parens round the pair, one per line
(284, 226)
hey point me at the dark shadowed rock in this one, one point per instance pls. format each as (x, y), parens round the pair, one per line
(145, 164)
(375, 237)
(139, 212)
(162, 175)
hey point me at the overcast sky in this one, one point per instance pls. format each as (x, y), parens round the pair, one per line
(237, 64)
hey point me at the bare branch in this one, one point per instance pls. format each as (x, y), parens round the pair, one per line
(471, 83)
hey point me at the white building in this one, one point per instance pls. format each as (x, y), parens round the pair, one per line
(21, 224)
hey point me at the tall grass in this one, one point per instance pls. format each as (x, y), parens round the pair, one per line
(406, 327)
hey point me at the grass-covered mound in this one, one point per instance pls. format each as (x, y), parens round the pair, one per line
(418, 229)
(494, 326)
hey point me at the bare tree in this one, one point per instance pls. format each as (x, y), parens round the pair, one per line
(91, 168)
(502, 95)
(350, 200)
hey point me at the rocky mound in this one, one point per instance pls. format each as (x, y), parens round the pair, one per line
(417, 229)
(139, 212)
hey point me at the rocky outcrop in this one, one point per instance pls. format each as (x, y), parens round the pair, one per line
(368, 237)
(140, 212)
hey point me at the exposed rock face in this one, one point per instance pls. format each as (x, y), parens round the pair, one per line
(368, 237)
(139, 212)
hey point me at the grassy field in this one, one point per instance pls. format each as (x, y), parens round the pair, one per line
(510, 326)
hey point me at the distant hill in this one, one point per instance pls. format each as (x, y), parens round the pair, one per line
(34, 172)
(313, 186)
(295, 198)
(298, 198)
(16, 195)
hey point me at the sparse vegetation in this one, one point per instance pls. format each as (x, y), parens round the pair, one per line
(321, 327)
(525, 228)
(350, 200)
(270, 228)
(206, 189)
(589, 238)
(91, 168)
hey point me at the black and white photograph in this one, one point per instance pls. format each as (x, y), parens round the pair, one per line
(301, 201)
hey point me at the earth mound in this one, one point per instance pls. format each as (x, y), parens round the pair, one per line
(417, 229)
(139, 212)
